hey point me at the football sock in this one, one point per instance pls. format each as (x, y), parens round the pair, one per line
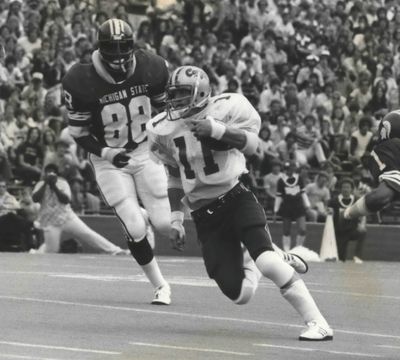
(300, 240)
(297, 294)
(153, 273)
(274, 268)
(286, 240)
(141, 251)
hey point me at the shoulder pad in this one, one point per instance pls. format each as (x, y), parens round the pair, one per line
(161, 126)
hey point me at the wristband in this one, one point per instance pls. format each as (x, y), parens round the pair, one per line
(217, 129)
(177, 217)
(108, 153)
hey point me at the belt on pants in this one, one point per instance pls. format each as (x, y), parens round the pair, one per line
(219, 203)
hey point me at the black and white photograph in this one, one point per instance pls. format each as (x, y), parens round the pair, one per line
(199, 179)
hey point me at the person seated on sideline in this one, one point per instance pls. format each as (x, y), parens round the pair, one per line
(347, 230)
(15, 230)
(56, 215)
(319, 195)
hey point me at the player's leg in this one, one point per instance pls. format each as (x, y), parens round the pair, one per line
(151, 186)
(342, 242)
(301, 230)
(225, 260)
(286, 231)
(76, 227)
(375, 200)
(119, 191)
(250, 221)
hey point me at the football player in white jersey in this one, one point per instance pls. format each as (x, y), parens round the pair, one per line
(109, 103)
(203, 141)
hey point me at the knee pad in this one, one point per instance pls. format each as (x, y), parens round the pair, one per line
(274, 268)
(132, 221)
(141, 251)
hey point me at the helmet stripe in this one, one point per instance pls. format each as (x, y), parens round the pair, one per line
(117, 27)
(111, 27)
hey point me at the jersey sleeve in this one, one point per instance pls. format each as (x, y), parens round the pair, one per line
(159, 80)
(243, 115)
(79, 113)
(159, 151)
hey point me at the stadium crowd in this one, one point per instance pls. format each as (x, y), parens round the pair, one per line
(321, 74)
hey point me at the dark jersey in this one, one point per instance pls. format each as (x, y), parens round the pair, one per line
(114, 113)
(384, 163)
(291, 189)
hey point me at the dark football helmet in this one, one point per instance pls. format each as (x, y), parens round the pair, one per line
(389, 127)
(115, 41)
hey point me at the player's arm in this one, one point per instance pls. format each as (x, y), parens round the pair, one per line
(79, 124)
(158, 94)
(175, 195)
(241, 133)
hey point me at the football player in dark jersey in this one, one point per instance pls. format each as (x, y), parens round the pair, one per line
(384, 166)
(109, 103)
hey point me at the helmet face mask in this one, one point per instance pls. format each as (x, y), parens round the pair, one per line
(188, 92)
(116, 46)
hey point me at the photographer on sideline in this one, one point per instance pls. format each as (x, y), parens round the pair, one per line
(55, 216)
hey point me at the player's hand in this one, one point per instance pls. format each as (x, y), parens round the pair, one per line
(177, 236)
(121, 159)
(51, 179)
(201, 128)
(117, 156)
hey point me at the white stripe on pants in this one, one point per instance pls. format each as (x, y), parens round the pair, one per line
(79, 230)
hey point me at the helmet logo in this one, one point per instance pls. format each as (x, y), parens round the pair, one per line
(385, 130)
(191, 72)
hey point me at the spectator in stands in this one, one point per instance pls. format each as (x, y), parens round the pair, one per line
(307, 99)
(29, 158)
(362, 94)
(15, 231)
(291, 203)
(347, 230)
(319, 195)
(308, 69)
(55, 216)
(273, 92)
(361, 139)
(308, 139)
(33, 95)
(270, 181)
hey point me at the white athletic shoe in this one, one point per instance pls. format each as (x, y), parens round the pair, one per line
(162, 295)
(357, 260)
(316, 332)
(296, 262)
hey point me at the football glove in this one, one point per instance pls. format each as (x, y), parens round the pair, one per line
(177, 235)
(117, 156)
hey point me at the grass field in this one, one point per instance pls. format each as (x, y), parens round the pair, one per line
(64, 307)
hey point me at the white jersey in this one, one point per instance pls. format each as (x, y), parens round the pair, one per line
(205, 173)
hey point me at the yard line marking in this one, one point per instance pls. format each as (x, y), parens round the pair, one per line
(187, 348)
(198, 281)
(13, 356)
(51, 347)
(187, 315)
(388, 346)
(347, 353)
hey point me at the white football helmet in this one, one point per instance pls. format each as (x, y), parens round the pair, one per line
(188, 90)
